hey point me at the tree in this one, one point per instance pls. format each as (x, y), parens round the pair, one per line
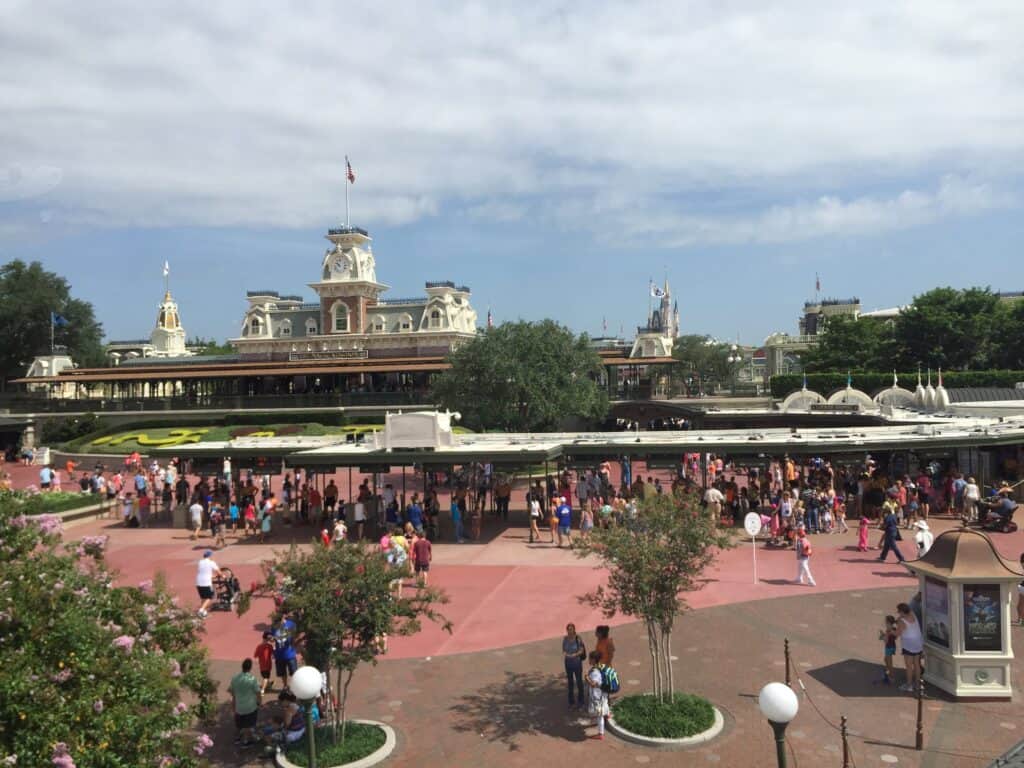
(28, 294)
(343, 603)
(523, 377)
(705, 359)
(948, 328)
(94, 674)
(210, 346)
(847, 343)
(651, 561)
(1008, 338)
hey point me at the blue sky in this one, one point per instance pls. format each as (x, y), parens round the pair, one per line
(554, 158)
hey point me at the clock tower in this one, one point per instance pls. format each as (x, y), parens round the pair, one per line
(348, 281)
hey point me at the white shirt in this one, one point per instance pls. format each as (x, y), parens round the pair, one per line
(713, 496)
(204, 574)
(971, 492)
(197, 511)
(534, 508)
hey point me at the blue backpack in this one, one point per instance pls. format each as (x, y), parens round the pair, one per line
(609, 679)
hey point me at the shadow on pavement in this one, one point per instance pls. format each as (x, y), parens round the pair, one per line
(525, 704)
(856, 677)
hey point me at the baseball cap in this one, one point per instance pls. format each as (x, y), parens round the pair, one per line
(208, 553)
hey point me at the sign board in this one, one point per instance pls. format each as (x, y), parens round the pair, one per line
(752, 523)
(983, 615)
(375, 469)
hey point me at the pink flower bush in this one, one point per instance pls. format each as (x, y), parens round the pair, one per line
(203, 743)
(127, 642)
(97, 706)
(50, 525)
(61, 756)
(175, 668)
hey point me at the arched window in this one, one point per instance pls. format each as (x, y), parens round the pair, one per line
(286, 327)
(405, 322)
(310, 327)
(340, 317)
(378, 324)
(435, 318)
(255, 327)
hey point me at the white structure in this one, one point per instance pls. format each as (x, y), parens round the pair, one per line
(419, 429)
(350, 318)
(657, 337)
(51, 365)
(166, 340)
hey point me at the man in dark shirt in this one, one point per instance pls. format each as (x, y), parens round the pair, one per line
(891, 528)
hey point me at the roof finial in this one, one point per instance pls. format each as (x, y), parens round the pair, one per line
(805, 382)
(929, 375)
(919, 374)
(849, 380)
(940, 375)
(895, 379)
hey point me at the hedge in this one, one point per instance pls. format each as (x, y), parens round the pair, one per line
(872, 382)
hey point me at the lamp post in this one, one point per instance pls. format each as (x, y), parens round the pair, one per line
(779, 705)
(734, 359)
(305, 684)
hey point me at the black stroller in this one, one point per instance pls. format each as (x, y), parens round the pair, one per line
(227, 591)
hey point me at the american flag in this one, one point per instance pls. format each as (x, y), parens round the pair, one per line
(349, 173)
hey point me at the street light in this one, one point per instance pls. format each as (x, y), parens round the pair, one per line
(305, 684)
(779, 704)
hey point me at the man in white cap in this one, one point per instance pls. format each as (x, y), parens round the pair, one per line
(564, 514)
(923, 537)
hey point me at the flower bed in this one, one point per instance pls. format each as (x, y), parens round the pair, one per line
(683, 716)
(31, 502)
(361, 740)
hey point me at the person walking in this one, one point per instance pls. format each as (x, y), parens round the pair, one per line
(803, 557)
(573, 654)
(972, 495)
(598, 697)
(534, 518)
(605, 645)
(264, 654)
(564, 513)
(284, 649)
(205, 572)
(196, 513)
(714, 499)
(245, 701)
(422, 553)
(891, 526)
(908, 630)
(862, 534)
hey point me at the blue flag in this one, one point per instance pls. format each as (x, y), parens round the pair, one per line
(58, 321)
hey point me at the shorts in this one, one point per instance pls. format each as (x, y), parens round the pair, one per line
(44, 486)
(911, 653)
(286, 666)
(422, 567)
(265, 673)
(360, 514)
(563, 530)
(247, 720)
(205, 593)
(890, 652)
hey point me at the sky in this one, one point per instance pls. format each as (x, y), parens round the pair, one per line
(555, 157)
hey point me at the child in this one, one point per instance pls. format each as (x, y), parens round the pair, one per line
(250, 518)
(862, 534)
(217, 526)
(233, 512)
(598, 707)
(264, 655)
(888, 635)
(840, 507)
(586, 520)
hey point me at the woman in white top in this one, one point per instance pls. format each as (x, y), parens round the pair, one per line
(908, 630)
(534, 518)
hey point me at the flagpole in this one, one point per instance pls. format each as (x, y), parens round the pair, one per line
(51, 333)
(347, 185)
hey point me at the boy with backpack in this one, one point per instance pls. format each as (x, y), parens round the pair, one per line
(598, 680)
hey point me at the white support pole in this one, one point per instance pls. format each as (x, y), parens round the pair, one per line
(347, 185)
(753, 549)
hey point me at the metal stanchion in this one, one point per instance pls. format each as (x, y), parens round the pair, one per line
(919, 740)
(785, 646)
(846, 744)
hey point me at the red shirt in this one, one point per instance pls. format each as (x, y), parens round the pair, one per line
(265, 656)
(421, 551)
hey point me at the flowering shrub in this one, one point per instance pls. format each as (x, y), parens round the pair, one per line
(94, 675)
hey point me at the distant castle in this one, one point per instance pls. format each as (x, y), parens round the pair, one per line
(656, 338)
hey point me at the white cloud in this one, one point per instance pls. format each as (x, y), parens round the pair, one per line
(241, 113)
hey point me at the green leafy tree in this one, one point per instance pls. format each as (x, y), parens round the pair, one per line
(94, 674)
(344, 605)
(1008, 337)
(523, 377)
(948, 328)
(652, 561)
(703, 362)
(28, 294)
(210, 346)
(847, 343)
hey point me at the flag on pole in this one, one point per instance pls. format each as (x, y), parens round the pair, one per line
(656, 292)
(604, 324)
(167, 268)
(349, 173)
(58, 321)
(817, 282)
(490, 320)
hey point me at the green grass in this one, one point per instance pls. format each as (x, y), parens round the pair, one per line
(360, 741)
(52, 501)
(685, 715)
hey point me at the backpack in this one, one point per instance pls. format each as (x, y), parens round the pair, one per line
(609, 679)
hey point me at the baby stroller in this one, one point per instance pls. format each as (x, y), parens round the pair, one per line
(227, 591)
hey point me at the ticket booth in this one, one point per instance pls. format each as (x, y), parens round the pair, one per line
(967, 592)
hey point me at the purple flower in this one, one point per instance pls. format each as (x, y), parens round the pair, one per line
(61, 756)
(18, 522)
(127, 642)
(97, 706)
(175, 668)
(203, 743)
(180, 708)
(62, 677)
(50, 525)
(146, 585)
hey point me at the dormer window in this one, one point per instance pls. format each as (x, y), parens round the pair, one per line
(435, 318)
(378, 324)
(310, 327)
(405, 323)
(255, 327)
(286, 327)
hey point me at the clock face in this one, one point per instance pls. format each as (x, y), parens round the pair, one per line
(340, 264)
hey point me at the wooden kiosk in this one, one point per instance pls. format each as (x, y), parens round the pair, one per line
(967, 589)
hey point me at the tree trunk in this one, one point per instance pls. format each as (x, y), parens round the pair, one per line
(336, 714)
(343, 700)
(671, 672)
(655, 672)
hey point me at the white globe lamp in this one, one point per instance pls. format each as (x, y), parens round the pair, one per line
(305, 684)
(779, 705)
